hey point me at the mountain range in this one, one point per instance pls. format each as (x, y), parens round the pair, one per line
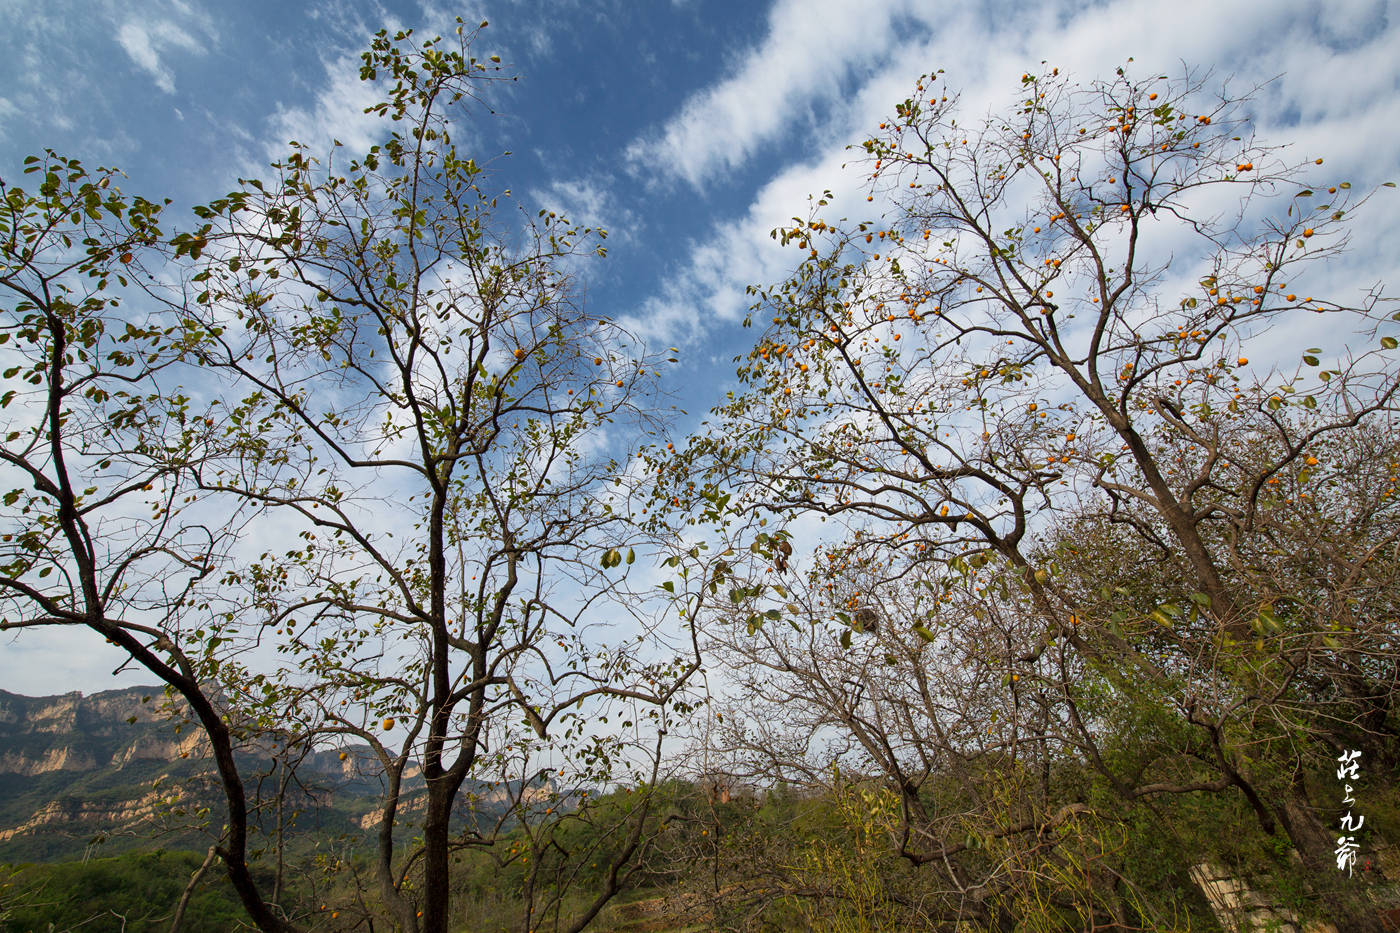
(125, 769)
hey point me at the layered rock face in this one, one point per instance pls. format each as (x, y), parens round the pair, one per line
(74, 768)
(128, 769)
(71, 732)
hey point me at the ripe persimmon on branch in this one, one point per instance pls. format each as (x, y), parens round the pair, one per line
(1053, 319)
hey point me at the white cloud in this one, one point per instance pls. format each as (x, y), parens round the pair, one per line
(336, 112)
(144, 42)
(589, 202)
(1322, 90)
(47, 661)
(810, 47)
(337, 109)
(711, 285)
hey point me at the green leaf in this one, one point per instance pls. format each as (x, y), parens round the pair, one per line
(631, 555)
(923, 632)
(1390, 343)
(846, 638)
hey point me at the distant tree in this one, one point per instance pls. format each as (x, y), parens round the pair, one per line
(1050, 329)
(134, 892)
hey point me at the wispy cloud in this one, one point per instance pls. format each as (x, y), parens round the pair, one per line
(1326, 89)
(810, 48)
(146, 40)
(337, 111)
(710, 286)
(590, 202)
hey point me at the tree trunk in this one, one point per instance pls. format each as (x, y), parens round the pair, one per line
(437, 895)
(185, 896)
(401, 909)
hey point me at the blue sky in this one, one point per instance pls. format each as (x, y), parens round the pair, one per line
(687, 128)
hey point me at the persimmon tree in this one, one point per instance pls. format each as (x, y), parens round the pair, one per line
(1053, 319)
(100, 446)
(416, 406)
(346, 481)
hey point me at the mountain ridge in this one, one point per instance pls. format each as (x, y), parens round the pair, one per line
(127, 768)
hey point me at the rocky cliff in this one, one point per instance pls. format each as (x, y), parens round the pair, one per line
(74, 768)
(77, 733)
(127, 768)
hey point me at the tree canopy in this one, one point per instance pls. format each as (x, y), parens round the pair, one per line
(1080, 532)
(394, 393)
